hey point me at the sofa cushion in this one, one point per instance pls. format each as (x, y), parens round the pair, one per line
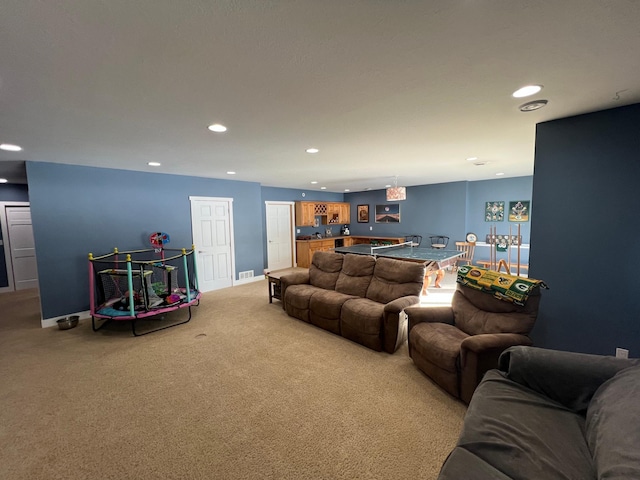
(461, 464)
(325, 308)
(612, 428)
(328, 303)
(297, 299)
(394, 279)
(439, 343)
(324, 269)
(361, 322)
(356, 274)
(478, 312)
(363, 315)
(523, 434)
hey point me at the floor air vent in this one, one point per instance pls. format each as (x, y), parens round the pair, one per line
(245, 275)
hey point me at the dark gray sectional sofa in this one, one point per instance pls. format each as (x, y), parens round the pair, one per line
(547, 414)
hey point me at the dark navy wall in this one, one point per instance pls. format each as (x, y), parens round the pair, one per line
(77, 210)
(11, 192)
(585, 230)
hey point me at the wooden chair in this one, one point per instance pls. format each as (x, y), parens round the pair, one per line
(467, 257)
(439, 241)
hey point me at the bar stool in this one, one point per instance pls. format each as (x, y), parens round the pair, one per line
(439, 241)
(415, 240)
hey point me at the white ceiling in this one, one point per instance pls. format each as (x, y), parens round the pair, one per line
(384, 88)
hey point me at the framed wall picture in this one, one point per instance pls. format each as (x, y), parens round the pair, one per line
(363, 213)
(519, 211)
(494, 212)
(388, 213)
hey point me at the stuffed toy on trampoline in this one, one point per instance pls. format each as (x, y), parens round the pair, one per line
(137, 284)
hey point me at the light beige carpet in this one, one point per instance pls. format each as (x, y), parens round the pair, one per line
(241, 392)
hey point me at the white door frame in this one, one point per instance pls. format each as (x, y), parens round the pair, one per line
(293, 228)
(5, 240)
(231, 237)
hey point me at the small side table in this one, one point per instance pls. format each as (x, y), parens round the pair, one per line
(273, 281)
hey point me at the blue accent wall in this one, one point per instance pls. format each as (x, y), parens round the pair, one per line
(450, 209)
(585, 231)
(77, 210)
(500, 190)
(9, 192)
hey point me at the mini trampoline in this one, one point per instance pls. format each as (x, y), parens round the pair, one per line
(142, 284)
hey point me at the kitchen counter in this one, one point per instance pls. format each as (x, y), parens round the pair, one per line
(357, 239)
(306, 248)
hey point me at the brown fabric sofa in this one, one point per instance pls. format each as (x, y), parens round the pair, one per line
(355, 296)
(455, 346)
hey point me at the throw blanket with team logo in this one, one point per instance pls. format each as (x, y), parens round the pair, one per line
(509, 288)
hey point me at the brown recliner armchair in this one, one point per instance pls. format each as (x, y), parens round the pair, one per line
(455, 346)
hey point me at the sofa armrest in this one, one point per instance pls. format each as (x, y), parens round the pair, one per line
(567, 377)
(297, 278)
(491, 341)
(418, 315)
(394, 325)
(399, 304)
(479, 354)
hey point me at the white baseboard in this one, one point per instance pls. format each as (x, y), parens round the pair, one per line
(248, 280)
(52, 322)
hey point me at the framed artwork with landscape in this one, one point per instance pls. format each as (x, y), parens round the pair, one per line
(388, 213)
(363, 213)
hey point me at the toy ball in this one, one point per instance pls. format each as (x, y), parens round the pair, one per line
(173, 298)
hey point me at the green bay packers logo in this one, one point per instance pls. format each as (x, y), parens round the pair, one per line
(463, 270)
(523, 287)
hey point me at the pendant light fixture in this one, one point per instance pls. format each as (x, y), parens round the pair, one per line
(396, 193)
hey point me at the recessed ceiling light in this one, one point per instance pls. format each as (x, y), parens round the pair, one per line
(347, 190)
(10, 148)
(314, 182)
(499, 174)
(154, 164)
(527, 91)
(533, 105)
(231, 173)
(216, 127)
(323, 188)
(471, 159)
(312, 150)
(3, 180)
(387, 186)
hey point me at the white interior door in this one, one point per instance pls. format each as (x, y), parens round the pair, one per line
(22, 247)
(279, 235)
(212, 222)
